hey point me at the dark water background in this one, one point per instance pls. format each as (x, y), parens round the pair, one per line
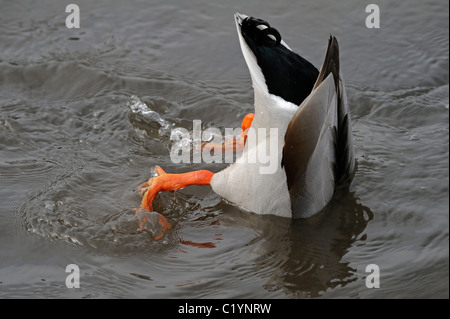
(72, 152)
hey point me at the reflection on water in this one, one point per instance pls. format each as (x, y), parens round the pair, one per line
(304, 257)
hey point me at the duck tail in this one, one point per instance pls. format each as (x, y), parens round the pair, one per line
(330, 64)
(345, 160)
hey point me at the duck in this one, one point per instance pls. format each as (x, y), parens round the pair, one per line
(302, 117)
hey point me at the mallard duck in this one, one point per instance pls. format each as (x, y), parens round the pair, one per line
(302, 110)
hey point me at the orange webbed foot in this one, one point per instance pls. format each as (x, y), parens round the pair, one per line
(161, 181)
(153, 223)
(150, 221)
(151, 188)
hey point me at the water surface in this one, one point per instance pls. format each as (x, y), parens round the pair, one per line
(72, 152)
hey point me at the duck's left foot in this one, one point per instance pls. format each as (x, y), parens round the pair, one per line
(152, 222)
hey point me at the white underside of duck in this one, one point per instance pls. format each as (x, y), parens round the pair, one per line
(242, 182)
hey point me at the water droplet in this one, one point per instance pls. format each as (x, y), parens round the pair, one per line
(49, 205)
(207, 136)
(153, 172)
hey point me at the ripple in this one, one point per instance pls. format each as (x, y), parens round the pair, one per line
(83, 120)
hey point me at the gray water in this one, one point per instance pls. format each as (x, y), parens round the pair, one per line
(72, 152)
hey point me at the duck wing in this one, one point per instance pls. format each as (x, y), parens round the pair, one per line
(318, 149)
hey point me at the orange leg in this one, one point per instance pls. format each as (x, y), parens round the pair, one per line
(245, 125)
(170, 182)
(247, 121)
(151, 221)
(235, 145)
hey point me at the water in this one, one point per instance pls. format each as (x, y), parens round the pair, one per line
(72, 152)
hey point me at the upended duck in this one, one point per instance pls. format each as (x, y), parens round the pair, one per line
(314, 149)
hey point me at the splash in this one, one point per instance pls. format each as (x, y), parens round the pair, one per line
(145, 114)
